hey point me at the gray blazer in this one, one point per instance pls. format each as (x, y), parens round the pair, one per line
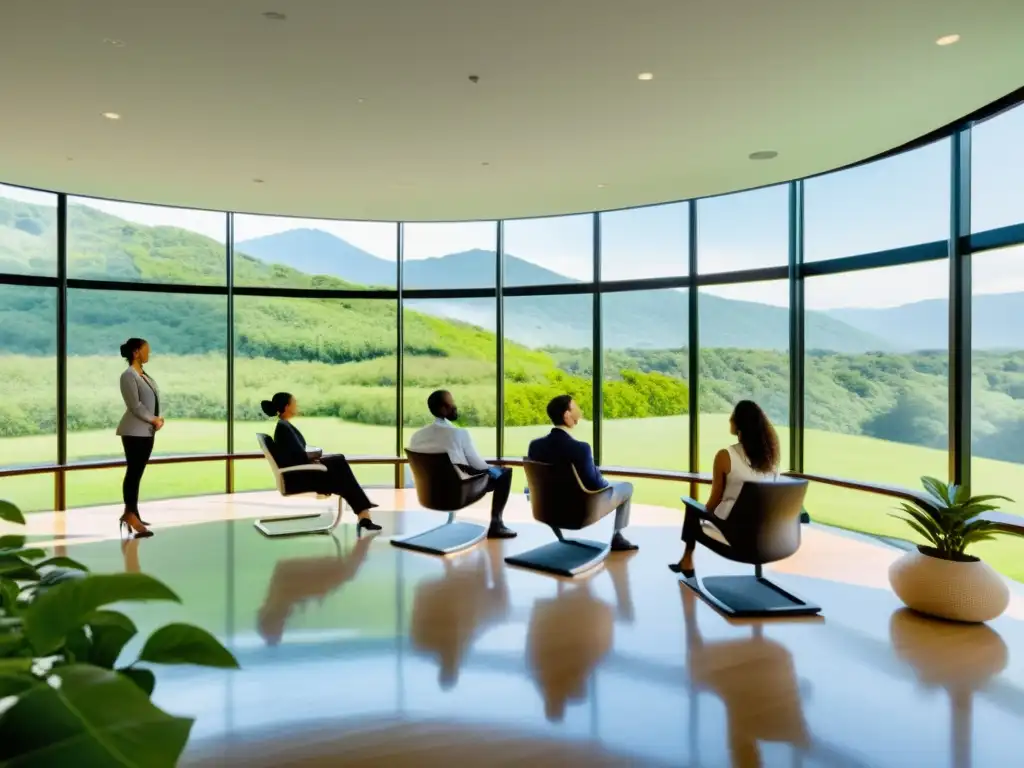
(142, 403)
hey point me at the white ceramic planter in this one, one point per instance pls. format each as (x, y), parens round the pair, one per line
(957, 590)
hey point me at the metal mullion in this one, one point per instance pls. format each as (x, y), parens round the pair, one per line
(499, 332)
(597, 353)
(400, 356)
(229, 253)
(960, 309)
(797, 329)
(60, 478)
(693, 347)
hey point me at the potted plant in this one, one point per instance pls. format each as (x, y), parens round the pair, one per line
(939, 578)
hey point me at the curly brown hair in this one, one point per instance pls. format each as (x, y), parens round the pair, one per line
(757, 436)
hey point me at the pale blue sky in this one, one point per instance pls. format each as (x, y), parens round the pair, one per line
(897, 202)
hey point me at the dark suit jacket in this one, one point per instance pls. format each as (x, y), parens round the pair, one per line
(289, 445)
(559, 447)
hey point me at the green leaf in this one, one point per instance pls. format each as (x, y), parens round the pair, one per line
(186, 644)
(143, 678)
(67, 605)
(10, 513)
(14, 683)
(8, 596)
(936, 488)
(61, 562)
(11, 542)
(95, 717)
(111, 631)
(929, 537)
(13, 567)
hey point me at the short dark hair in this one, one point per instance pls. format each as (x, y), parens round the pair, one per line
(557, 408)
(436, 402)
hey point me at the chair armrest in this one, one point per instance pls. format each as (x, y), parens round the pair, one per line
(304, 468)
(694, 504)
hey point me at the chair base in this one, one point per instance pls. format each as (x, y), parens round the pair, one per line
(444, 540)
(744, 597)
(567, 557)
(267, 525)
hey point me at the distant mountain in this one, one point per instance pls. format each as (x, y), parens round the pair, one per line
(996, 322)
(649, 319)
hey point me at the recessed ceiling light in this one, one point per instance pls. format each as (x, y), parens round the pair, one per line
(112, 115)
(484, 163)
(257, 181)
(947, 40)
(360, 101)
(601, 186)
(764, 154)
(645, 76)
(113, 42)
(274, 16)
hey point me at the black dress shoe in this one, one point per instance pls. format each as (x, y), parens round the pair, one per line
(621, 544)
(500, 531)
(366, 524)
(688, 573)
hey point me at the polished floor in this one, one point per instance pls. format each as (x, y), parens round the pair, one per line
(355, 652)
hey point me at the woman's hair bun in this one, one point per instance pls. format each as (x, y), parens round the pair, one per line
(130, 347)
(268, 408)
(126, 351)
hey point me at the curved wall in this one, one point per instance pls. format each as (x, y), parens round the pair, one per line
(829, 301)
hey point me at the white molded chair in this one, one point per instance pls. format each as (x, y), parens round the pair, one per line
(281, 478)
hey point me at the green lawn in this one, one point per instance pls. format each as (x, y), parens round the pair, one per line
(655, 442)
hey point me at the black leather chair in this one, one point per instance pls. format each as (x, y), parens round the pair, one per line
(765, 526)
(561, 501)
(441, 486)
(275, 527)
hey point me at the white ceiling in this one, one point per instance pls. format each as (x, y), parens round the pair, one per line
(213, 95)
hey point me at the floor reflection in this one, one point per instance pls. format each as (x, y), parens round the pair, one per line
(299, 580)
(755, 678)
(570, 634)
(450, 611)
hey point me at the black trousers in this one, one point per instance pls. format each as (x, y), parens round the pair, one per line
(340, 480)
(137, 451)
(499, 483)
(691, 525)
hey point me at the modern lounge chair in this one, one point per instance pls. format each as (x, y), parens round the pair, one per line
(561, 501)
(441, 486)
(766, 521)
(281, 526)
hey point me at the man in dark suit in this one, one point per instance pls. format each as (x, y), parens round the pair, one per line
(560, 447)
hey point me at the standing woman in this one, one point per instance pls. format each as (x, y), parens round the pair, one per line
(290, 450)
(139, 424)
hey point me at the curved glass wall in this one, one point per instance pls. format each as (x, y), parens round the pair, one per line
(828, 301)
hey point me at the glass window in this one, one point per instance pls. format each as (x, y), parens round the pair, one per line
(997, 184)
(645, 242)
(337, 357)
(28, 411)
(28, 232)
(876, 384)
(892, 203)
(450, 255)
(558, 249)
(282, 252)
(136, 243)
(188, 343)
(450, 344)
(997, 391)
(645, 396)
(744, 355)
(549, 344)
(745, 230)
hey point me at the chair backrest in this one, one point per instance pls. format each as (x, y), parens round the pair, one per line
(266, 445)
(765, 520)
(439, 485)
(559, 498)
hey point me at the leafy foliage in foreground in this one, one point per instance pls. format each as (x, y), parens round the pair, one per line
(949, 518)
(63, 699)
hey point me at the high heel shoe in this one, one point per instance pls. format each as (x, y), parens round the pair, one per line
(366, 524)
(688, 573)
(126, 525)
(144, 522)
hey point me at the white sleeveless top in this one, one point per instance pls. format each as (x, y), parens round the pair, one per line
(739, 473)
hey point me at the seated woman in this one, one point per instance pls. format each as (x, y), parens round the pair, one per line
(754, 457)
(290, 450)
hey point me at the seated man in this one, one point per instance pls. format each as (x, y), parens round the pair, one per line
(443, 437)
(560, 447)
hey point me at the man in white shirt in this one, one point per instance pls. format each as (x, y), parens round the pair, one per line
(444, 437)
